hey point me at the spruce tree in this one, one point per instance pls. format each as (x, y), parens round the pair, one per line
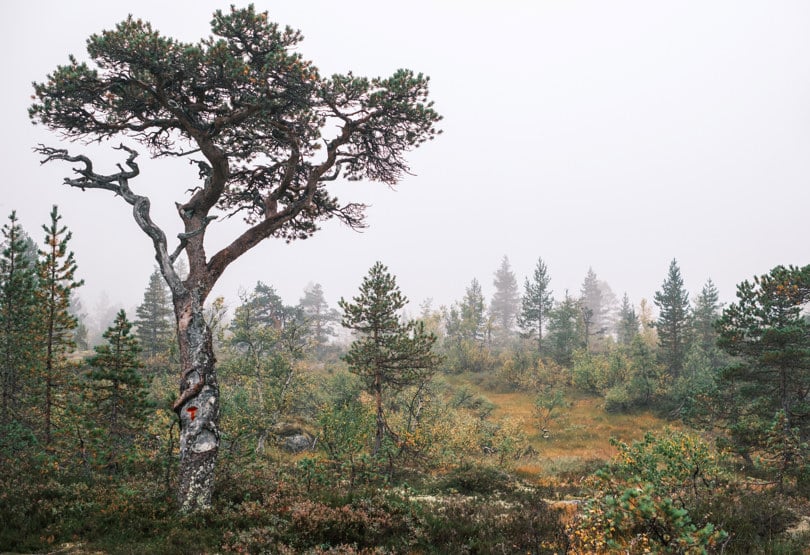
(118, 390)
(673, 321)
(705, 313)
(471, 313)
(56, 270)
(319, 317)
(388, 354)
(628, 326)
(598, 306)
(536, 303)
(155, 317)
(18, 318)
(505, 303)
(566, 330)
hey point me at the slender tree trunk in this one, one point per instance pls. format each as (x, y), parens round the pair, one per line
(786, 426)
(48, 405)
(540, 333)
(380, 420)
(9, 374)
(197, 407)
(49, 373)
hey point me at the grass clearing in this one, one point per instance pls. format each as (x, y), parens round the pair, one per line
(578, 439)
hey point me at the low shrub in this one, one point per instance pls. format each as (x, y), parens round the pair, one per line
(476, 480)
(752, 519)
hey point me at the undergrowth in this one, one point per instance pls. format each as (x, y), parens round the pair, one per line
(279, 504)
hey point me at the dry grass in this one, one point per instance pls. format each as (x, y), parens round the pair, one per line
(578, 439)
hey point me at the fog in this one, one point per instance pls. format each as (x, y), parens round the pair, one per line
(612, 135)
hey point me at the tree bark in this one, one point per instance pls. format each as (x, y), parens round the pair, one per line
(380, 431)
(198, 405)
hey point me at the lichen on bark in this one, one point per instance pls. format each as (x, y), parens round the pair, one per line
(199, 428)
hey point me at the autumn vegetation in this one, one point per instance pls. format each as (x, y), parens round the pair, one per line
(354, 430)
(532, 421)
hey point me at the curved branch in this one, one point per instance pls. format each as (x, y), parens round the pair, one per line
(254, 235)
(118, 183)
(184, 237)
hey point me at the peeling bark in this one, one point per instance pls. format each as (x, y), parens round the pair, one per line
(197, 406)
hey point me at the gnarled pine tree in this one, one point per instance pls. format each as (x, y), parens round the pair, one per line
(269, 133)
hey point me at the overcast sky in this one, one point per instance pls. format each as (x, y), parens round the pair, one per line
(606, 134)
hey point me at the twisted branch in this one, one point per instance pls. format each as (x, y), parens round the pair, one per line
(118, 183)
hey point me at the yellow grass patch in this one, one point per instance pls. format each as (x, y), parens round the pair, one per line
(581, 434)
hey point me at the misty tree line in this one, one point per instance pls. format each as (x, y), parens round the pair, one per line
(372, 410)
(591, 339)
(742, 370)
(680, 362)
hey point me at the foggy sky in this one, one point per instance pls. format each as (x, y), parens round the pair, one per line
(613, 135)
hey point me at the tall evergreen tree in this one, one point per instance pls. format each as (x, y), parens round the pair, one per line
(253, 331)
(595, 306)
(17, 317)
(118, 391)
(673, 321)
(266, 339)
(472, 313)
(154, 317)
(268, 306)
(388, 354)
(271, 134)
(705, 313)
(536, 303)
(566, 329)
(264, 317)
(319, 317)
(628, 325)
(505, 303)
(56, 269)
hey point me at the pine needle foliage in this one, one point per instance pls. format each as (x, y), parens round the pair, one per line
(388, 354)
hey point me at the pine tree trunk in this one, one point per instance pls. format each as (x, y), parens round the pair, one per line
(197, 407)
(378, 436)
(539, 335)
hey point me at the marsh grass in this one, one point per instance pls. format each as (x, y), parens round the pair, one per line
(578, 440)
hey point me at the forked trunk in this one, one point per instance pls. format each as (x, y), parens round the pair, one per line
(197, 406)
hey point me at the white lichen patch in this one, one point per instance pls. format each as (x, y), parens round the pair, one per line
(205, 441)
(202, 447)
